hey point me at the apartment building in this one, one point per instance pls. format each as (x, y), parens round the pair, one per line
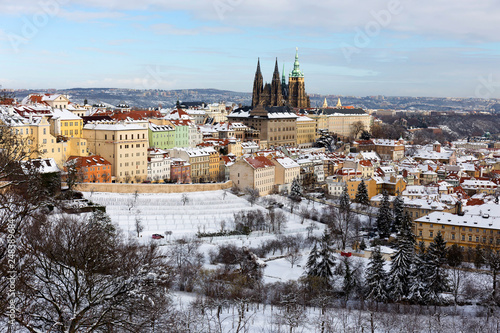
(254, 172)
(199, 160)
(124, 145)
(91, 169)
(286, 170)
(478, 225)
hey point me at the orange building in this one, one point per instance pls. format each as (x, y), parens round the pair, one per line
(91, 169)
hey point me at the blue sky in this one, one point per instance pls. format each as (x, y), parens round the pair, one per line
(376, 47)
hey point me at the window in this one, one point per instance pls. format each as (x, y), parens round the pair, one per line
(431, 234)
(452, 236)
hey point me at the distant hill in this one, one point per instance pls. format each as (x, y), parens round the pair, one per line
(168, 98)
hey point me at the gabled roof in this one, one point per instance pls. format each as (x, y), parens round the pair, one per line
(87, 161)
(259, 162)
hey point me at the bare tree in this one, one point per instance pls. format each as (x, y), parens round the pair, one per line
(74, 174)
(253, 195)
(106, 177)
(139, 227)
(80, 275)
(184, 199)
(294, 256)
(356, 128)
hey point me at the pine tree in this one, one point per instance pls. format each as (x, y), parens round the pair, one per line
(401, 265)
(398, 210)
(362, 194)
(418, 285)
(312, 261)
(349, 282)
(437, 277)
(384, 217)
(295, 191)
(376, 277)
(326, 262)
(345, 201)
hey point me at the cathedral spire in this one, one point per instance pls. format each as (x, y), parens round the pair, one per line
(276, 90)
(283, 77)
(296, 66)
(325, 103)
(258, 67)
(339, 104)
(258, 85)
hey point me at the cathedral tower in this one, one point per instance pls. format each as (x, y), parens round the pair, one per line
(276, 92)
(258, 85)
(296, 87)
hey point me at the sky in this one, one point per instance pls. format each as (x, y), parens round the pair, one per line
(441, 48)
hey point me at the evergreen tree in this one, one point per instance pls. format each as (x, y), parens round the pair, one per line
(437, 277)
(398, 211)
(362, 194)
(312, 261)
(384, 217)
(376, 277)
(326, 262)
(343, 220)
(479, 260)
(418, 285)
(365, 135)
(85, 102)
(295, 191)
(455, 255)
(345, 201)
(349, 282)
(401, 265)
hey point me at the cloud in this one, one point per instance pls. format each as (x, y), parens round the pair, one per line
(465, 20)
(169, 29)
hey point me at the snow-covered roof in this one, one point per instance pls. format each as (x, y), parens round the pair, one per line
(112, 127)
(481, 216)
(287, 162)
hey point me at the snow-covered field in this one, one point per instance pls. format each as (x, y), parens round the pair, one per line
(204, 211)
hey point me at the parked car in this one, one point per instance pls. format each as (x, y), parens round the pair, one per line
(157, 236)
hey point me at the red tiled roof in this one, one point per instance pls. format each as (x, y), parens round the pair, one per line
(86, 161)
(259, 162)
(366, 163)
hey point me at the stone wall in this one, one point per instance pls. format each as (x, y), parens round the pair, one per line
(152, 188)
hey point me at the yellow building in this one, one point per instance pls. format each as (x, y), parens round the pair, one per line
(480, 225)
(286, 170)
(353, 183)
(213, 164)
(340, 120)
(38, 130)
(199, 158)
(306, 132)
(253, 172)
(64, 123)
(125, 146)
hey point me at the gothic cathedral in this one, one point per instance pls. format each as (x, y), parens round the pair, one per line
(279, 93)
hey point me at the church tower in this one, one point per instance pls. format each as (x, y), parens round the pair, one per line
(258, 86)
(276, 92)
(296, 86)
(284, 86)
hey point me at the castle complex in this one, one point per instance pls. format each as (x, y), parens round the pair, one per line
(279, 93)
